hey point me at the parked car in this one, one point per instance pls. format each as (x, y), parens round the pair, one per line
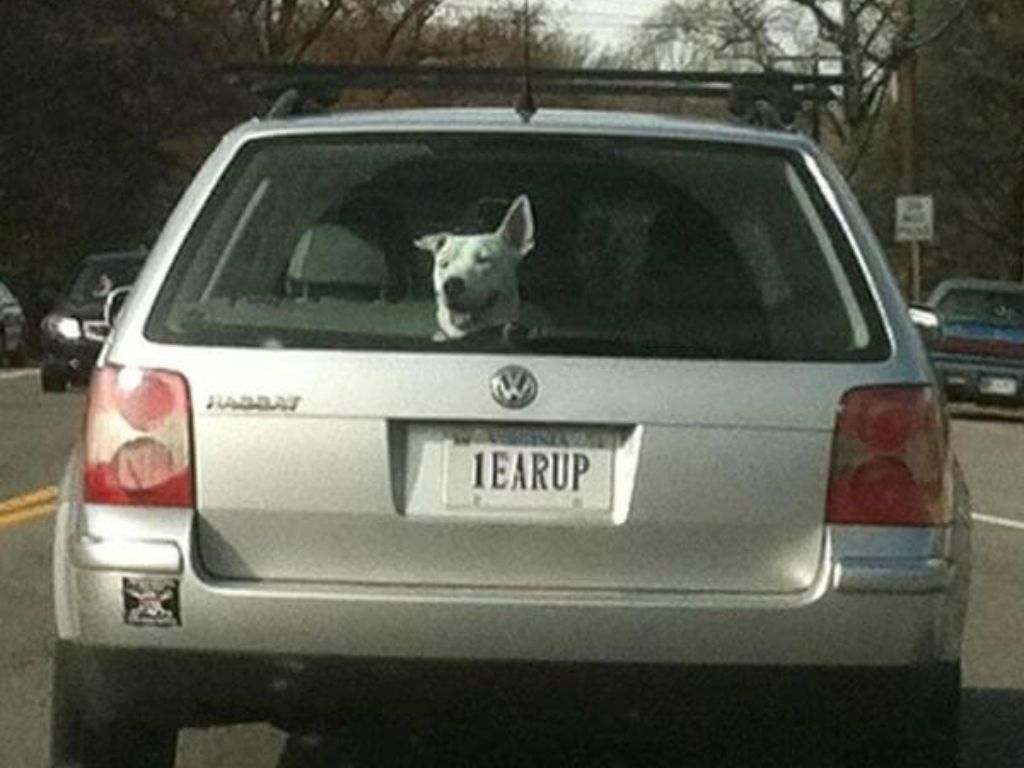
(36, 298)
(410, 414)
(74, 330)
(981, 355)
(12, 328)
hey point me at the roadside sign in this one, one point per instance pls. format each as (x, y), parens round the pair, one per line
(915, 219)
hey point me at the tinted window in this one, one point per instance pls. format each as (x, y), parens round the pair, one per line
(98, 278)
(992, 307)
(635, 248)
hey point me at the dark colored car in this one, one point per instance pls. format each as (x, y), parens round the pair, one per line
(981, 356)
(74, 331)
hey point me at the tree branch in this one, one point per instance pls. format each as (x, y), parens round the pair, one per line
(827, 23)
(942, 29)
(415, 10)
(327, 15)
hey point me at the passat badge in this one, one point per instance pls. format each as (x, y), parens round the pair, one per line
(514, 387)
(259, 403)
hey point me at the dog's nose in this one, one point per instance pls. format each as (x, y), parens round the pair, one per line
(454, 287)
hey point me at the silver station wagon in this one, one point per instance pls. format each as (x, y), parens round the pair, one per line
(415, 413)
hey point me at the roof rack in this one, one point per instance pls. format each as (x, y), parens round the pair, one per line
(770, 99)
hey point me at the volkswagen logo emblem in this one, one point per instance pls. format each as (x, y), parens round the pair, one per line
(514, 387)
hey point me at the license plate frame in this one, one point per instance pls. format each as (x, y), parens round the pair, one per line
(548, 471)
(998, 386)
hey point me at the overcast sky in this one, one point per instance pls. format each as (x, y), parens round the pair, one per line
(607, 21)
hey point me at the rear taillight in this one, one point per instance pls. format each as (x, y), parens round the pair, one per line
(890, 460)
(138, 439)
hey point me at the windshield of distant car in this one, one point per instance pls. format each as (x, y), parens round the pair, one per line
(983, 306)
(97, 278)
(6, 296)
(558, 244)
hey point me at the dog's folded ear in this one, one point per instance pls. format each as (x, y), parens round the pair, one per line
(432, 243)
(518, 228)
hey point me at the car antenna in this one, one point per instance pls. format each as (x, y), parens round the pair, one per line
(526, 105)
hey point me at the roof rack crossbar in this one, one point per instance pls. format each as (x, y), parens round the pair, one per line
(273, 78)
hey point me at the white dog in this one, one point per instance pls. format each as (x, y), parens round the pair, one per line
(475, 278)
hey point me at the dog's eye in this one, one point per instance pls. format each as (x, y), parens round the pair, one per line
(444, 264)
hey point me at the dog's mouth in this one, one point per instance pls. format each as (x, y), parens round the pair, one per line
(463, 314)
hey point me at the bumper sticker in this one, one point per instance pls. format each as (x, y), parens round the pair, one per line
(151, 602)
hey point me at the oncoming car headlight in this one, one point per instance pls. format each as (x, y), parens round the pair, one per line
(64, 327)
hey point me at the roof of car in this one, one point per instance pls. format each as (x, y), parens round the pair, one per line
(973, 284)
(138, 254)
(550, 121)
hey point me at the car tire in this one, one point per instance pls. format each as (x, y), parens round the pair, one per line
(940, 735)
(52, 380)
(77, 741)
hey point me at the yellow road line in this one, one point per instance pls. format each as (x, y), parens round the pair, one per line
(29, 513)
(34, 499)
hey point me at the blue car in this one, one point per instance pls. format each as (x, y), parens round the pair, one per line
(981, 356)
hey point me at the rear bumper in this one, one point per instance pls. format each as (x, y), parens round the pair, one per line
(962, 379)
(883, 600)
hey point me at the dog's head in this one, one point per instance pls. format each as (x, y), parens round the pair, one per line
(475, 275)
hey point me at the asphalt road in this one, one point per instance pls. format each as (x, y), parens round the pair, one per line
(37, 431)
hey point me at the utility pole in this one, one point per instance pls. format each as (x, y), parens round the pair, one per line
(853, 62)
(907, 90)
(816, 113)
(1021, 211)
(526, 105)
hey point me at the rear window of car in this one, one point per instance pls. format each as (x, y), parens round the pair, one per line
(650, 248)
(983, 306)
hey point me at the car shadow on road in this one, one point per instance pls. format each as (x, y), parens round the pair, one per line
(993, 415)
(993, 737)
(993, 728)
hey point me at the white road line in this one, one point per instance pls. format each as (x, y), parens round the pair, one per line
(1002, 522)
(11, 375)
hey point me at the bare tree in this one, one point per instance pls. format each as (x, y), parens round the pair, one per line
(293, 30)
(872, 39)
(740, 34)
(972, 102)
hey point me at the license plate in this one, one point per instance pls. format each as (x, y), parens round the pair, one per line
(529, 470)
(1003, 387)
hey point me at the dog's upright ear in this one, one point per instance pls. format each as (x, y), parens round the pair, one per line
(518, 228)
(432, 243)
